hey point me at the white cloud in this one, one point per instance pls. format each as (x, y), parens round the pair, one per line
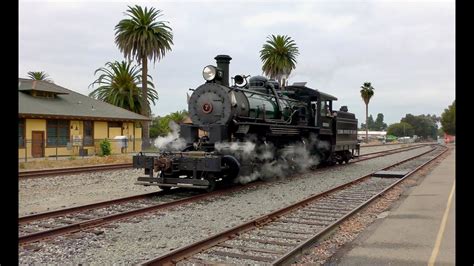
(405, 48)
(305, 17)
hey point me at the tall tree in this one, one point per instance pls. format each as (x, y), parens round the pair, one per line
(424, 125)
(142, 36)
(370, 123)
(448, 119)
(379, 124)
(39, 75)
(120, 85)
(278, 55)
(366, 92)
(401, 129)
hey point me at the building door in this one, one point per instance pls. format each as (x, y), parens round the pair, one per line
(37, 145)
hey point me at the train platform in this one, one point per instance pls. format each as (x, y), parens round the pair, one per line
(418, 230)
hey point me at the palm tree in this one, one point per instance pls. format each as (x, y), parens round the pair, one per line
(143, 37)
(278, 55)
(366, 93)
(39, 75)
(119, 85)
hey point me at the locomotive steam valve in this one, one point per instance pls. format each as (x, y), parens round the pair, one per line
(162, 164)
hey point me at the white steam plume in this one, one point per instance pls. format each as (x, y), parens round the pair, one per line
(292, 159)
(244, 148)
(172, 141)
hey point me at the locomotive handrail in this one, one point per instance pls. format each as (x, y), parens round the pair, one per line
(264, 94)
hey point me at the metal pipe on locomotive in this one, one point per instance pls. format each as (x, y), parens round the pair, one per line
(226, 117)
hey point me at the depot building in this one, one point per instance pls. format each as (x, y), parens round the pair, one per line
(55, 121)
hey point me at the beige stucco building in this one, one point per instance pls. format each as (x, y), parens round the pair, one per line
(57, 121)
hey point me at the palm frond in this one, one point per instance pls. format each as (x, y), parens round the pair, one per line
(278, 55)
(119, 83)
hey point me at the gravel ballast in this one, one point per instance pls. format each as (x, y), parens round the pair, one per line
(57, 192)
(132, 243)
(369, 149)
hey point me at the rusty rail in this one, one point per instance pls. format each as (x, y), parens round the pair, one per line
(72, 170)
(106, 219)
(187, 251)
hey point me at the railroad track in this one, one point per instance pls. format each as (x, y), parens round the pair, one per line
(281, 236)
(94, 168)
(388, 144)
(87, 217)
(55, 223)
(376, 154)
(72, 170)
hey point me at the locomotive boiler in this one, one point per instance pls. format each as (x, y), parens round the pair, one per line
(238, 127)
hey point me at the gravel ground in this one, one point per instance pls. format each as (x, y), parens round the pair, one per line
(57, 192)
(351, 228)
(365, 150)
(51, 193)
(131, 243)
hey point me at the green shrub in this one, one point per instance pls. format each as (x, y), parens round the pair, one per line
(105, 148)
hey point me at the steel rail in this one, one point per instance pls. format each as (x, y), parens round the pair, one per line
(96, 205)
(396, 149)
(71, 170)
(297, 251)
(118, 216)
(61, 212)
(106, 219)
(174, 256)
(386, 152)
(386, 144)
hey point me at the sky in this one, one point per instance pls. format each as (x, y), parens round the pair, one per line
(406, 49)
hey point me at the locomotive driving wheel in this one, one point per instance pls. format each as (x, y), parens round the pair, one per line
(212, 182)
(164, 188)
(232, 168)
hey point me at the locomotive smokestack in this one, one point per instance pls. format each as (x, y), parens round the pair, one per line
(223, 63)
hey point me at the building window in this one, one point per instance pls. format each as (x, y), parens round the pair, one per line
(57, 132)
(88, 133)
(21, 133)
(115, 124)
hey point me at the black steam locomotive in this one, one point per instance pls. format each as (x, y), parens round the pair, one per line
(237, 129)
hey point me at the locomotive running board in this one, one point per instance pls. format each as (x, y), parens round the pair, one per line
(172, 182)
(170, 185)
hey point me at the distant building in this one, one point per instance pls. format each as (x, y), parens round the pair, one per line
(56, 121)
(372, 135)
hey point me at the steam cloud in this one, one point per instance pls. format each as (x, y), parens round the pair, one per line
(172, 141)
(290, 159)
(246, 148)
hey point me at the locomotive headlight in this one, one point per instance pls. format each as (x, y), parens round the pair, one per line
(209, 72)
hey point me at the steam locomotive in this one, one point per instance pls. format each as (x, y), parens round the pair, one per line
(236, 129)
